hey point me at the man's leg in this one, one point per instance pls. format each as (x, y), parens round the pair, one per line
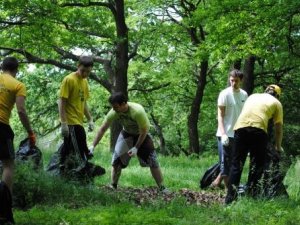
(217, 182)
(157, 175)
(258, 155)
(8, 170)
(116, 171)
(227, 158)
(239, 156)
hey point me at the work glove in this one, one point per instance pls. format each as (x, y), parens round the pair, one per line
(91, 125)
(91, 152)
(132, 152)
(32, 138)
(224, 140)
(64, 129)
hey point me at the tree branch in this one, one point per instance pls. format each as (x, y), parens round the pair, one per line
(34, 59)
(150, 89)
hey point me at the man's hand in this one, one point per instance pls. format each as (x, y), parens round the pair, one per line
(64, 129)
(32, 138)
(91, 125)
(224, 140)
(279, 149)
(91, 152)
(132, 152)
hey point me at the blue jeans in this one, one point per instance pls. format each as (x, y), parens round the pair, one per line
(225, 156)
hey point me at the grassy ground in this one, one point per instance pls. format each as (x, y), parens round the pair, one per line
(54, 201)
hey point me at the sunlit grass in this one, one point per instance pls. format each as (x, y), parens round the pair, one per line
(61, 202)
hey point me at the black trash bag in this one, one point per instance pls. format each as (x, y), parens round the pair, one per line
(275, 168)
(209, 176)
(274, 173)
(28, 153)
(6, 214)
(74, 166)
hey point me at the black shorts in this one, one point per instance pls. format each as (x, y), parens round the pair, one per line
(6, 142)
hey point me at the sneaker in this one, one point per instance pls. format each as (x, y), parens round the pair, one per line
(164, 190)
(113, 186)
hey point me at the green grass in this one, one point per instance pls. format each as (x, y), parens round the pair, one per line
(51, 200)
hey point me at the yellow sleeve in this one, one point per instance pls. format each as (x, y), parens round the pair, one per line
(21, 90)
(65, 88)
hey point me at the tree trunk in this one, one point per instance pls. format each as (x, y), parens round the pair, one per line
(158, 129)
(248, 80)
(119, 81)
(193, 117)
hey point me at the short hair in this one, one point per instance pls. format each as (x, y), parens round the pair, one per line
(10, 64)
(86, 61)
(236, 73)
(273, 90)
(117, 98)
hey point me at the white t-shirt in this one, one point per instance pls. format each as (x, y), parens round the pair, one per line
(233, 102)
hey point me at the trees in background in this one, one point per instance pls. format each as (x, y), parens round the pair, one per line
(173, 56)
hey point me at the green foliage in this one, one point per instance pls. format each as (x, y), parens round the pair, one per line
(38, 187)
(54, 201)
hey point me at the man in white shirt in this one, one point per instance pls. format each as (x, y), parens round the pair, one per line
(230, 104)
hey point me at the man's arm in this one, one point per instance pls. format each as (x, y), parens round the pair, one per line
(100, 133)
(221, 115)
(20, 103)
(142, 136)
(62, 110)
(87, 112)
(278, 135)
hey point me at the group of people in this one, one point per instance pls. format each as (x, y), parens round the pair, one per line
(133, 140)
(243, 128)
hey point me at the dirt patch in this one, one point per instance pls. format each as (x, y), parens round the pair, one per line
(151, 194)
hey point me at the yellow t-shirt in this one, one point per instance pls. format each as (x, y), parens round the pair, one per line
(75, 90)
(10, 88)
(257, 111)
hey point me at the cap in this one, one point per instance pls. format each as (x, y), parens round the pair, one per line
(276, 88)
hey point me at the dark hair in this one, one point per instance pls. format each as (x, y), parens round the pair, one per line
(86, 61)
(10, 64)
(236, 73)
(117, 98)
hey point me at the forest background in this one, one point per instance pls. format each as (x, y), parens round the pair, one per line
(171, 56)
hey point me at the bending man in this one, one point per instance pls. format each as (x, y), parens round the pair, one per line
(133, 139)
(251, 136)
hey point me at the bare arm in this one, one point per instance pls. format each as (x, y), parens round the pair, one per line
(142, 136)
(87, 112)
(221, 115)
(100, 133)
(20, 103)
(278, 136)
(62, 109)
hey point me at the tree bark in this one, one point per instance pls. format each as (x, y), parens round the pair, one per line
(248, 80)
(119, 80)
(159, 131)
(194, 146)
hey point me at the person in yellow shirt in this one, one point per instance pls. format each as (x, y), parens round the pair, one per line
(251, 135)
(74, 92)
(12, 92)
